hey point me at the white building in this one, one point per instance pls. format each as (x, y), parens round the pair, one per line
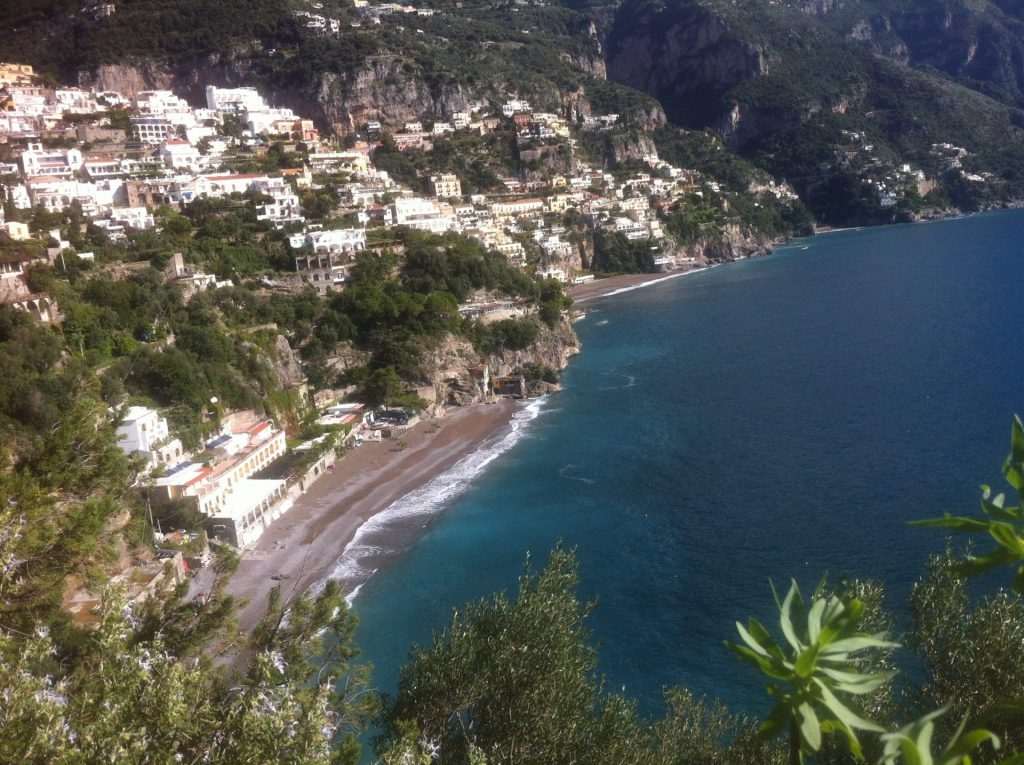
(421, 213)
(36, 160)
(238, 507)
(153, 130)
(75, 101)
(446, 185)
(513, 106)
(234, 100)
(220, 185)
(139, 218)
(283, 206)
(144, 432)
(272, 121)
(157, 103)
(179, 154)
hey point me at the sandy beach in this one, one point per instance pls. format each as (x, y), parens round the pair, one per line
(304, 545)
(601, 287)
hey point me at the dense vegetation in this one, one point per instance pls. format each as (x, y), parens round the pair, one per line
(512, 679)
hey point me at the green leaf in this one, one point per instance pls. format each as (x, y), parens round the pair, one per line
(766, 666)
(970, 741)
(1018, 581)
(750, 640)
(995, 508)
(844, 714)
(785, 617)
(805, 662)
(857, 643)
(953, 523)
(867, 684)
(977, 566)
(810, 729)
(1017, 440)
(814, 619)
(1006, 535)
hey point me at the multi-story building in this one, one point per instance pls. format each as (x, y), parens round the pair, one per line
(421, 213)
(234, 100)
(144, 432)
(154, 130)
(238, 507)
(63, 163)
(322, 257)
(156, 103)
(446, 185)
(179, 154)
(15, 74)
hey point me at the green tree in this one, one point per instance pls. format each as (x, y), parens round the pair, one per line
(516, 679)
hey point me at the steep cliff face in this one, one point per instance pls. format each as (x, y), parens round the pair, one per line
(683, 57)
(728, 243)
(553, 348)
(387, 89)
(448, 366)
(188, 77)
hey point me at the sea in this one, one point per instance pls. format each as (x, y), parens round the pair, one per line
(775, 418)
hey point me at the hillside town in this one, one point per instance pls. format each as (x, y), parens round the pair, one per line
(118, 159)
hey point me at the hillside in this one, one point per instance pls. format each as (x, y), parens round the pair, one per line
(788, 84)
(784, 84)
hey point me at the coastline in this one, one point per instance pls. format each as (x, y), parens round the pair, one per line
(306, 545)
(613, 285)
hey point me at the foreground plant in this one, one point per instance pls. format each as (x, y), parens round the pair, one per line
(1005, 524)
(912, 744)
(809, 674)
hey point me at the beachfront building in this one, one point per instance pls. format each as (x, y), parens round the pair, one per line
(144, 432)
(219, 483)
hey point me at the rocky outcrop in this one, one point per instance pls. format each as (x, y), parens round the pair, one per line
(384, 88)
(449, 367)
(553, 348)
(726, 243)
(284, 364)
(631, 146)
(187, 77)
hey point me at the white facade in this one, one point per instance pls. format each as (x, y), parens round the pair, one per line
(332, 241)
(421, 213)
(60, 162)
(153, 130)
(234, 100)
(446, 185)
(144, 432)
(238, 506)
(156, 103)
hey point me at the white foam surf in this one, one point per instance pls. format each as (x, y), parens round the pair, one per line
(423, 503)
(641, 285)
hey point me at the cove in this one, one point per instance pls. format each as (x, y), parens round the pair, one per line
(766, 419)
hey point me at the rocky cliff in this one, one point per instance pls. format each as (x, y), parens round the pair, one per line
(448, 368)
(683, 57)
(726, 243)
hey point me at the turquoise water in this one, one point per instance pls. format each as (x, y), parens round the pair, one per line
(765, 419)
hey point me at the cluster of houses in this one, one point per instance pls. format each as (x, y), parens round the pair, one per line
(116, 159)
(887, 182)
(170, 152)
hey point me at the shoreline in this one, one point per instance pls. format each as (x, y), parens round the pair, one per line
(614, 285)
(307, 544)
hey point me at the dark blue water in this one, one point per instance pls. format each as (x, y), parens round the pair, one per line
(774, 418)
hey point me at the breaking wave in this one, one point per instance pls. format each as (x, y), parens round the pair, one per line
(361, 556)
